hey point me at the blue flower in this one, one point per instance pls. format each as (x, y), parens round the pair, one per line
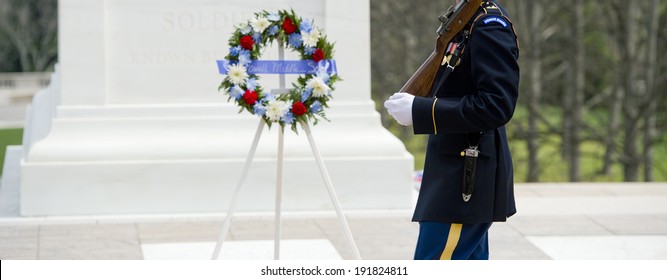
(244, 57)
(260, 110)
(295, 40)
(273, 30)
(316, 107)
(236, 92)
(246, 30)
(306, 94)
(244, 60)
(306, 26)
(252, 84)
(257, 37)
(234, 51)
(269, 97)
(273, 16)
(288, 118)
(322, 67)
(309, 51)
(322, 74)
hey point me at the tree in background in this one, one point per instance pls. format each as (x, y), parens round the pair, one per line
(634, 35)
(28, 35)
(9, 61)
(592, 87)
(403, 34)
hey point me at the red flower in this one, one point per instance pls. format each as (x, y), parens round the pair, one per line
(247, 43)
(318, 55)
(288, 26)
(298, 108)
(250, 97)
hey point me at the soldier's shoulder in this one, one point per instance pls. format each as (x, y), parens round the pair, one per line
(491, 14)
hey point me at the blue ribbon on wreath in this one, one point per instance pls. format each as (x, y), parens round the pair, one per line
(284, 67)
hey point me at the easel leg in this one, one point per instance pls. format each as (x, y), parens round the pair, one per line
(332, 193)
(279, 162)
(279, 184)
(239, 186)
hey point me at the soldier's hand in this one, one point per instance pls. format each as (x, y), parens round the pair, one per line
(399, 106)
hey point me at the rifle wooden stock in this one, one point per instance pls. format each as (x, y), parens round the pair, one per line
(421, 82)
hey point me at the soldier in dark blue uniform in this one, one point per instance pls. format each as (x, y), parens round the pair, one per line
(468, 177)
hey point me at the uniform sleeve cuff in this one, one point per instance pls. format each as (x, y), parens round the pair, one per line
(422, 115)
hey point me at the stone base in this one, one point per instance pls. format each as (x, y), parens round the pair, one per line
(92, 163)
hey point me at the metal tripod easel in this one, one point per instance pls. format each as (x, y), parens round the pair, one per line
(279, 175)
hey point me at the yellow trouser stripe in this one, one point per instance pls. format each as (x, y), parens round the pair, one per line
(452, 241)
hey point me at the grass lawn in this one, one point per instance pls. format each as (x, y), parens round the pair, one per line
(11, 136)
(553, 168)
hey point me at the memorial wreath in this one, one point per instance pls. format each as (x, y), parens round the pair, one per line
(311, 91)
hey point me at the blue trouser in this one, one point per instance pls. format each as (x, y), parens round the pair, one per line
(439, 241)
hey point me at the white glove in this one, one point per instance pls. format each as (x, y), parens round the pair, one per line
(399, 106)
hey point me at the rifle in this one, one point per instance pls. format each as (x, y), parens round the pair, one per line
(451, 23)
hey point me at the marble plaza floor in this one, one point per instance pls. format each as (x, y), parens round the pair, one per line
(555, 221)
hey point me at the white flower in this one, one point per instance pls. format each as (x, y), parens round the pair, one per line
(245, 29)
(276, 109)
(320, 88)
(237, 74)
(310, 39)
(259, 24)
